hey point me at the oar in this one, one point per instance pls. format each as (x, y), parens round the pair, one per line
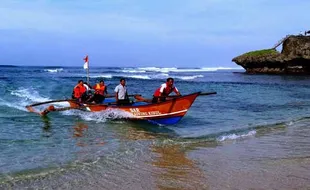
(141, 99)
(207, 93)
(176, 96)
(52, 109)
(47, 102)
(65, 100)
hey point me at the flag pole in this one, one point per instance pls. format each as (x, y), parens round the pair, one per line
(88, 72)
(86, 66)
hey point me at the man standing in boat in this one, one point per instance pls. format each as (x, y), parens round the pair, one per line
(164, 90)
(100, 91)
(121, 95)
(79, 92)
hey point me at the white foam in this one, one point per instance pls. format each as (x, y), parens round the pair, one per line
(148, 77)
(234, 136)
(26, 96)
(12, 105)
(29, 94)
(189, 77)
(157, 69)
(139, 76)
(102, 76)
(53, 70)
(132, 71)
(100, 117)
(174, 69)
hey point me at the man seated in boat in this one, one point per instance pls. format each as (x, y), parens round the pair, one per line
(100, 91)
(79, 92)
(164, 90)
(88, 91)
(121, 95)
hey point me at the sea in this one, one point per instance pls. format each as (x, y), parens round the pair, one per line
(253, 134)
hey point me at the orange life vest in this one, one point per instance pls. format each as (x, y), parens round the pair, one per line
(79, 91)
(99, 89)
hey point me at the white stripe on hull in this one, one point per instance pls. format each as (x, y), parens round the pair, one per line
(159, 115)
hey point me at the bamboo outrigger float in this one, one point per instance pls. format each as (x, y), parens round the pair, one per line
(168, 112)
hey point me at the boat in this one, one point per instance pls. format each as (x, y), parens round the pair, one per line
(168, 112)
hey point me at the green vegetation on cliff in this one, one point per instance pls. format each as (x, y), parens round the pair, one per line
(293, 59)
(261, 52)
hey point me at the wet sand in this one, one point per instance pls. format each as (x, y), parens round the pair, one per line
(275, 158)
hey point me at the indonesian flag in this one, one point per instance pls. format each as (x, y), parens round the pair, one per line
(86, 62)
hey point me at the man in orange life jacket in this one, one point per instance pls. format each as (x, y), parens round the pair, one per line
(164, 90)
(79, 92)
(100, 91)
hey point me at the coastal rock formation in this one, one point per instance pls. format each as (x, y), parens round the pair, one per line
(294, 58)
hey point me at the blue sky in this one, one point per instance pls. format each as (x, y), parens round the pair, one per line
(167, 33)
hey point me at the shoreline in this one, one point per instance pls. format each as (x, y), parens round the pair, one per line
(272, 159)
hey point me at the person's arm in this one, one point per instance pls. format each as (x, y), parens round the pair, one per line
(126, 95)
(176, 91)
(80, 94)
(158, 99)
(116, 94)
(106, 90)
(161, 91)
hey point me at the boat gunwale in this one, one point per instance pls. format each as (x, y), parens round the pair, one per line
(146, 105)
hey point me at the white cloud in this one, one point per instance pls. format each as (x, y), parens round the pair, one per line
(198, 21)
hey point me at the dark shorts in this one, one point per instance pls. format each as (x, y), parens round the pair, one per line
(155, 99)
(83, 98)
(123, 102)
(98, 98)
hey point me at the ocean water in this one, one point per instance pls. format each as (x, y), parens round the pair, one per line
(255, 129)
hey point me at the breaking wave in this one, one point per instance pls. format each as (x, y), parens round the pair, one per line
(150, 76)
(100, 117)
(235, 136)
(29, 95)
(175, 69)
(189, 77)
(53, 70)
(25, 97)
(101, 76)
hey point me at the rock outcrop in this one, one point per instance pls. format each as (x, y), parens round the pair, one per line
(294, 58)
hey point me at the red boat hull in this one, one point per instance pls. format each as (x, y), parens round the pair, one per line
(168, 112)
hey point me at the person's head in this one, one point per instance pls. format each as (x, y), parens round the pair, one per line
(122, 81)
(170, 81)
(81, 82)
(101, 82)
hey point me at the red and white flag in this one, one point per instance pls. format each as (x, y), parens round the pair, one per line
(86, 62)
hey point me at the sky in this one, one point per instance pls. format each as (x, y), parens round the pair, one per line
(130, 33)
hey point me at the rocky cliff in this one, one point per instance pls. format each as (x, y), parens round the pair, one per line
(294, 58)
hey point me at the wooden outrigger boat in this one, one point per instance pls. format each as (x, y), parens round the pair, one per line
(168, 112)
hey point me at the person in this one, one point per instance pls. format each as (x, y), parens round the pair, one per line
(79, 92)
(164, 90)
(121, 95)
(100, 91)
(88, 87)
(88, 92)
